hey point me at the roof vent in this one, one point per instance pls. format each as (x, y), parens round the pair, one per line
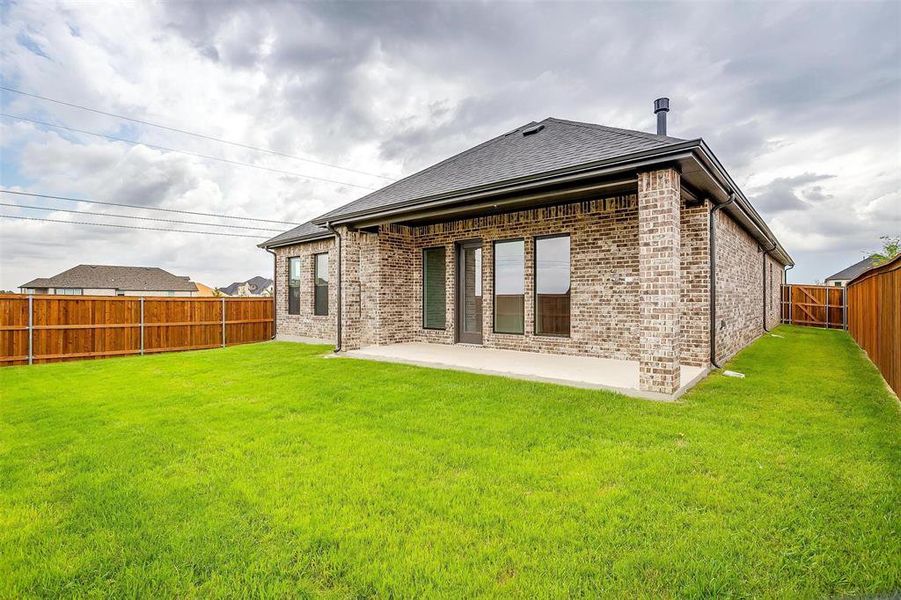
(532, 130)
(661, 107)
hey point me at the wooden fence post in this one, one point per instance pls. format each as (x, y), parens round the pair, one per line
(142, 325)
(845, 307)
(223, 321)
(30, 329)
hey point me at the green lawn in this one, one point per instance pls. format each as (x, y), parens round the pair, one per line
(266, 470)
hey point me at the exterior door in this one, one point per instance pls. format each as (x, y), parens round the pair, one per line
(469, 292)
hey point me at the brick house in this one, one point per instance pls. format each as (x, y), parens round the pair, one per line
(112, 280)
(557, 237)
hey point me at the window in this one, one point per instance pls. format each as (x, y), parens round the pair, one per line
(68, 292)
(294, 286)
(552, 291)
(509, 286)
(434, 300)
(320, 284)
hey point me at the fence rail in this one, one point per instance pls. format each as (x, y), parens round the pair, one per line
(53, 328)
(874, 318)
(814, 306)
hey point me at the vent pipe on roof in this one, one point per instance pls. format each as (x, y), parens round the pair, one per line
(661, 107)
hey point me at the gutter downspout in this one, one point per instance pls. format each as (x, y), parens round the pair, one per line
(785, 271)
(338, 240)
(712, 237)
(765, 254)
(274, 292)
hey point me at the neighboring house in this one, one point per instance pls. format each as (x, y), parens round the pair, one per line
(104, 280)
(256, 286)
(557, 237)
(842, 278)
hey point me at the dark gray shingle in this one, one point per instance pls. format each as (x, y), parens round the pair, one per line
(115, 277)
(305, 232)
(854, 270)
(559, 144)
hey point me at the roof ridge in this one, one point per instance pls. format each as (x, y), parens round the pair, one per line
(642, 135)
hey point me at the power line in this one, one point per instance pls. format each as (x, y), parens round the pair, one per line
(187, 152)
(97, 214)
(192, 133)
(169, 210)
(256, 237)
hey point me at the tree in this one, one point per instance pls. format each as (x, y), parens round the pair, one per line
(891, 247)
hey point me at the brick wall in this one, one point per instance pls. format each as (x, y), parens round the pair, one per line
(383, 282)
(695, 294)
(774, 293)
(660, 280)
(739, 287)
(305, 324)
(603, 275)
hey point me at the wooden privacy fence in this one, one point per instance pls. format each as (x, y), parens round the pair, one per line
(814, 306)
(874, 318)
(54, 328)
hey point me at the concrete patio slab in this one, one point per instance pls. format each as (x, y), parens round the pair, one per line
(577, 371)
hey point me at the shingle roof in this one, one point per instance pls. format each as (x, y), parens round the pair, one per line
(854, 270)
(307, 231)
(558, 144)
(257, 285)
(115, 277)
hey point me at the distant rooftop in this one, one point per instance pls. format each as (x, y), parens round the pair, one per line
(143, 279)
(854, 270)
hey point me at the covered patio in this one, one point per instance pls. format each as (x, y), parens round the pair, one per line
(577, 371)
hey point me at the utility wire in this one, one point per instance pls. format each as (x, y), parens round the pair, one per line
(97, 214)
(169, 210)
(192, 133)
(256, 237)
(187, 152)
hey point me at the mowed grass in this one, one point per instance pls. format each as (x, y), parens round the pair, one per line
(268, 470)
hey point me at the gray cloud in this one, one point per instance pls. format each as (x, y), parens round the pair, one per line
(798, 100)
(781, 194)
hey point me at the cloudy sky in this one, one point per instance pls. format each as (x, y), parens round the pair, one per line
(801, 102)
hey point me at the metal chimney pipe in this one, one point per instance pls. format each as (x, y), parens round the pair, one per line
(661, 107)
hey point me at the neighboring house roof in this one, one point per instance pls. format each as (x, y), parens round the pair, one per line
(230, 290)
(557, 145)
(854, 270)
(302, 233)
(115, 277)
(203, 290)
(258, 283)
(255, 285)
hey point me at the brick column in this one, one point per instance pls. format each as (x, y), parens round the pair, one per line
(659, 252)
(351, 334)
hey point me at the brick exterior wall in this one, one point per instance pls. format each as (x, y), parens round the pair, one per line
(305, 324)
(774, 292)
(695, 295)
(382, 273)
(603, 277)
(660, 281)
(740, 288)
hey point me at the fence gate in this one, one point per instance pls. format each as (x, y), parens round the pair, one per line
(815, 306)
